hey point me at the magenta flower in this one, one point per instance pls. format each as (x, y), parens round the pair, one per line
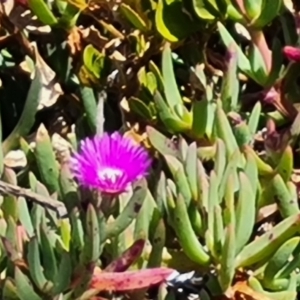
(292, 53)
(109, 163)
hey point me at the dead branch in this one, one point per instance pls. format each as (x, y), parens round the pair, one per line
(9, 189)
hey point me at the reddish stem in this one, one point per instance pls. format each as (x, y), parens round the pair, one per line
(259, 40)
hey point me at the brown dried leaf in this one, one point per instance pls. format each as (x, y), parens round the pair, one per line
(8, 6)
(86, 77)
(61, 147)
(15, 159)
(242, 291)
(92, 36)
(116, 55)
(289, 5)
(139, 138)
(266, 211)
(74, 41)
(51, 88)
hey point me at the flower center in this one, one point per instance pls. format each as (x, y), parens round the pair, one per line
(110, 174)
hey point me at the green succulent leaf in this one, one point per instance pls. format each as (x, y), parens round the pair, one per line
(24, 289)
(286, 204)
(203, 186)
(220, 160)
(68, 187)
(242, 134)
(228, 259)
(24, 216)
(254, 118)
(203, 115)
(48, 255)
(191, 169)
(258, 65)
(133, 17)
(46, 162)
(218, 231)
(43, 12)
(166, 16)
(251, 171)
(90, 106)
(213, 200)
(245, 212)
(171, 120)
(159, 79)
(196, 219)
(70, 15)
(264, 169)
(230, 169)
(180, 178)
(144, 218)
(91, 250)
(77, 233)
(171, 89)
(234, 14)
(228, 40)
(10, 204)
(280, 260)
(269, 10)
(286, 164)
(202, 9)
(95, 61)
(129, 213)
(230, 83)
(35, 265)
(138, 106)
(224, 132)
(158, 243)
(267, 244)
(186, 235)
(253, 8)
(229, 200)
(27, 118)
(63, 279)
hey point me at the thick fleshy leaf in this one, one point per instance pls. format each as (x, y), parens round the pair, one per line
(130, 280)
(127, 257)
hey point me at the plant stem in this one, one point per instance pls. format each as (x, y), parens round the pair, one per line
(9, 189)
(259, 40)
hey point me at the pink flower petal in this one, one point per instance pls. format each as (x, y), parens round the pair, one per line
(109, 163)
(292, 53)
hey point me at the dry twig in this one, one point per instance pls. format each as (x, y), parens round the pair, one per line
(9, 189)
